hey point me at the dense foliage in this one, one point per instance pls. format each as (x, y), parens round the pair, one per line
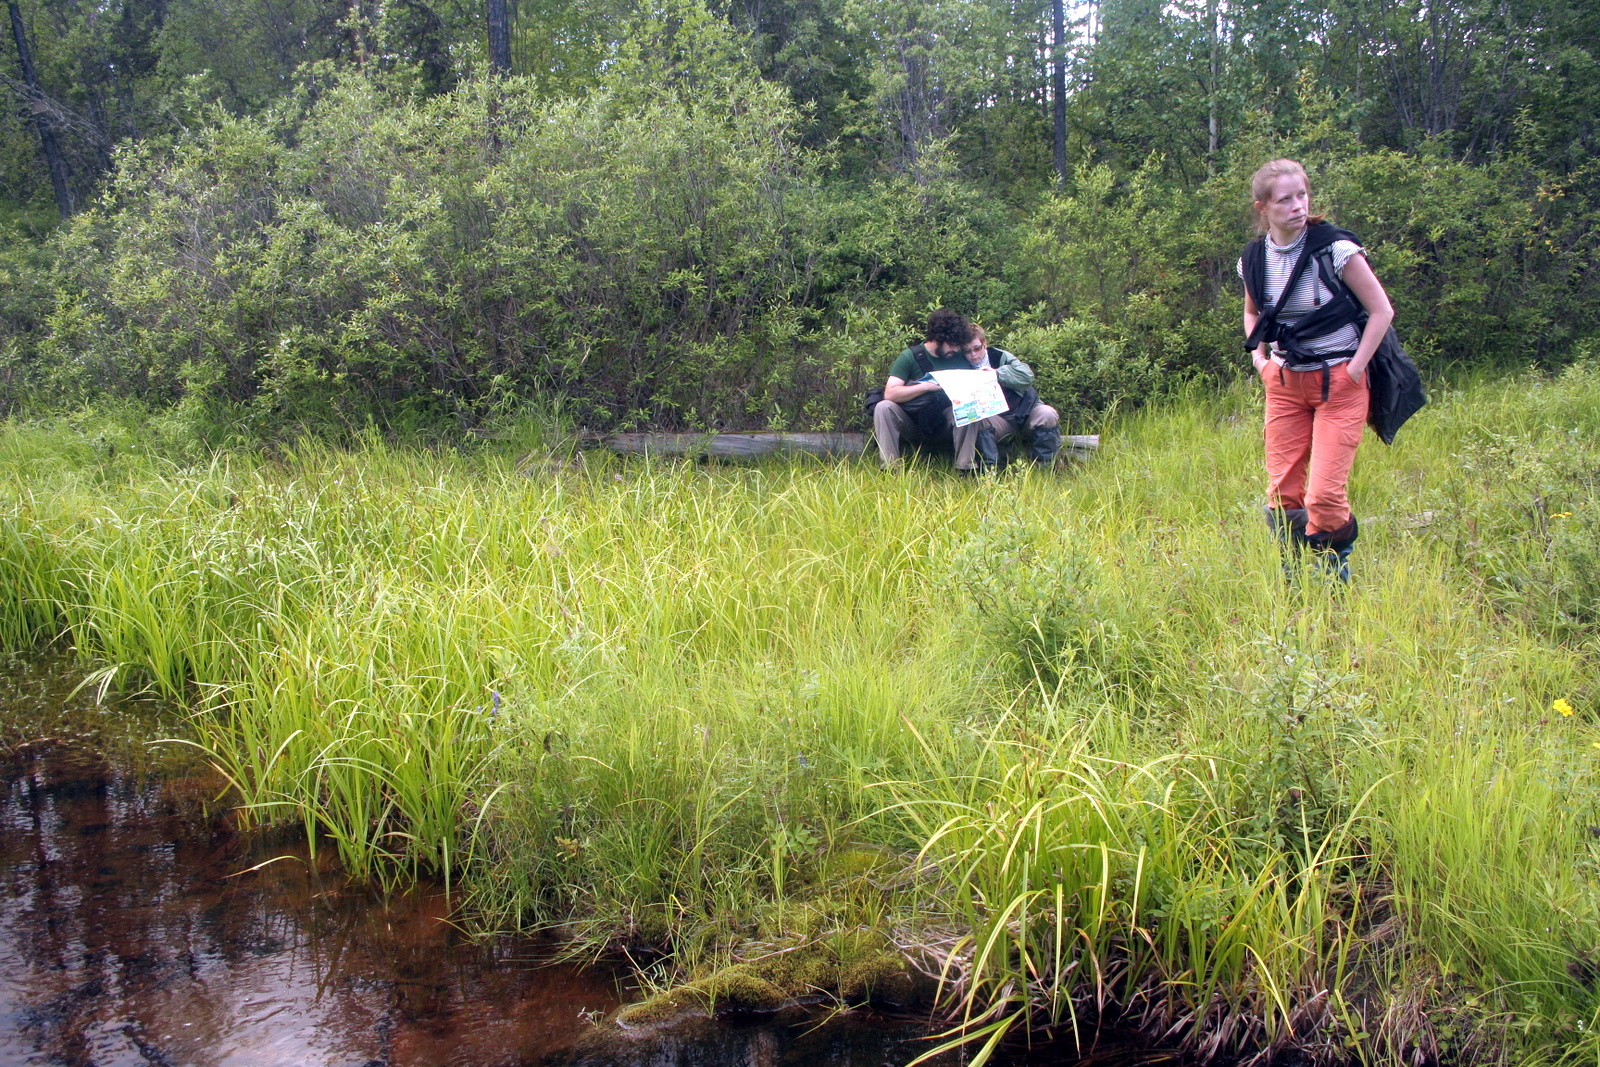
(735, 216)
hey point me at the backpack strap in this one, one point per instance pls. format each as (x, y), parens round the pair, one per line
(1267, 325)
(930, 411)
(1342, 309)
(1330, 274)
(1323, 258)
(1253, 260)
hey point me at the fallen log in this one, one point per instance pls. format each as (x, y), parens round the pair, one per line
(735, 446)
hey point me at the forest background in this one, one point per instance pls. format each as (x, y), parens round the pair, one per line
(268, 217)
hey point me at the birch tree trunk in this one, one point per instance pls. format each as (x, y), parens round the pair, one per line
(1215, 73)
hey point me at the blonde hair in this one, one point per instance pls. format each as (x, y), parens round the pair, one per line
(1261, 187)
(979, 335)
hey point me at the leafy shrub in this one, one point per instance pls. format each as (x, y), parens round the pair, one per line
(26, 381)
(360, 254)
(1485, 264)
(1083, 370)
(660, 250)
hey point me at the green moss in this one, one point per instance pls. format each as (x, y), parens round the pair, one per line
(883, 977)
(739, 988)
(777, 981)
(660, 1009)
(799, 974)
(852, 863)
(652, 927)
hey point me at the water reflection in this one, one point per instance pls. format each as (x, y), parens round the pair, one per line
(129, 937)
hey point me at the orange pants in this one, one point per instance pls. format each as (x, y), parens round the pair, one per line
(1311, 441)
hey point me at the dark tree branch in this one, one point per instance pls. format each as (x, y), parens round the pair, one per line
(39, 109)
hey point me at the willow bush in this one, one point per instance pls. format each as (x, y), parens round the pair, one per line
(361, 254)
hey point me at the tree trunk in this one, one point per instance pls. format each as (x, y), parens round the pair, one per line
(1059, 79)
(38, 108)
(1211, 89)
(499, 37)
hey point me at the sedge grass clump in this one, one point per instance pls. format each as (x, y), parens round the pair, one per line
(1044, 611)
(1094, 888)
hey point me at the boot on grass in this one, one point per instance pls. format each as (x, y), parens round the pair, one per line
(1333, 549)
(1288, 525)
(1045, 444)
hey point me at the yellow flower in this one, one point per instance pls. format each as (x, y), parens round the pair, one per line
(1562, 706)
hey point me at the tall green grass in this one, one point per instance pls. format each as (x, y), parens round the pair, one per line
(1070, 742)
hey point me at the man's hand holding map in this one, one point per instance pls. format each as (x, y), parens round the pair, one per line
(974, 394)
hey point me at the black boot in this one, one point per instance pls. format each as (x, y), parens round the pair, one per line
(1288, 525)
(988, 450)
(1045, 444)
(1333, 548)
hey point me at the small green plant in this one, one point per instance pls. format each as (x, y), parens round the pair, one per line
(1045, 611)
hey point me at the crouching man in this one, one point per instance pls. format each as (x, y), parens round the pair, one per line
(1038, 424)
(914, 408)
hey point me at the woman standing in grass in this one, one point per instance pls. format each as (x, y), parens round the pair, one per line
(1314, 315)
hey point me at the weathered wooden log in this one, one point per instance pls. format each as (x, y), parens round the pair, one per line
(754, 445)
(736, 445)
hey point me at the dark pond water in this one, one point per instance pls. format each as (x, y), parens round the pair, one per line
(134, 931)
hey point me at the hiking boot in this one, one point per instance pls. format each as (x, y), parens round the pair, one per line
(988, 450)
(1288, 525)
(1333, 549)
(1045, 444)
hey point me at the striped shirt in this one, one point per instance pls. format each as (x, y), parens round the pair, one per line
(1309, 293)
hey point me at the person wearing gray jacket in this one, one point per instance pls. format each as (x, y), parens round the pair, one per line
(1038, 422)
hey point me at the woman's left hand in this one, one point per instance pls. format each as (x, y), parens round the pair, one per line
(1357, 376)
